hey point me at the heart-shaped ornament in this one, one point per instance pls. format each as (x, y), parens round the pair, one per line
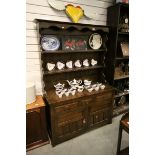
(75, 13)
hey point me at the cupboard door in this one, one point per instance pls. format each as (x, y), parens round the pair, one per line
(100, 111)
(33, 127)
(99, 117)
(70, 120)
(36, 132)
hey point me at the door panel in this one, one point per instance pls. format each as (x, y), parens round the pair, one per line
(71, 120)
(99, 110)
(33, 127)
(99, 116)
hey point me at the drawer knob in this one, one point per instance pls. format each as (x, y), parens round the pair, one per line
(84, 121)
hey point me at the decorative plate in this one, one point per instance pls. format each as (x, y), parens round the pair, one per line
(95, 41)
(50, 43)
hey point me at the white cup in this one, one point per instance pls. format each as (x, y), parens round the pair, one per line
(97, 88)
(102, 86)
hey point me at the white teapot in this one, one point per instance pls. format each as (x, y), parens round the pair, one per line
(74, 82)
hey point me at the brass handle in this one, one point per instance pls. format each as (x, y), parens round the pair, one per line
(84, 121)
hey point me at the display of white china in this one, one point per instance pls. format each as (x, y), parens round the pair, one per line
(69, 64)
(85, 63)
(76, 85)
(77, 63)
(60, 65)
(93, 62)
(50, 66)
(95, 41)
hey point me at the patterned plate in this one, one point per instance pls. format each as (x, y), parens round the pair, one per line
(50, 43)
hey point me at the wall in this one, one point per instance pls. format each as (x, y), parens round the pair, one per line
(40, 9)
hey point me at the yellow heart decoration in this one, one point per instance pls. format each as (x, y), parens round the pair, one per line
(75, 13)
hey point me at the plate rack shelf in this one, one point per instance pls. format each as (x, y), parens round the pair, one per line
(118, 62)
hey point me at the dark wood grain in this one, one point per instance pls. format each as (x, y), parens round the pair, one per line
(71, 116)
(36, 131)
(77, 114)
(115, 56)
(124, 125)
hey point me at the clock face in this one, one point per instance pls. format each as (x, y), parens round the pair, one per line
(50, 43)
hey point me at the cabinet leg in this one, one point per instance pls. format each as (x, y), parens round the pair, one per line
(119, 140)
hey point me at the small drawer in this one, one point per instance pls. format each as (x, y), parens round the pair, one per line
(106, 96)
(68, 107)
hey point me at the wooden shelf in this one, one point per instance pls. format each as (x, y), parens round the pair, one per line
(122, 94)
(71, 70)
(120, 110)
(122, 58)
(76, 51)
(121, 77)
